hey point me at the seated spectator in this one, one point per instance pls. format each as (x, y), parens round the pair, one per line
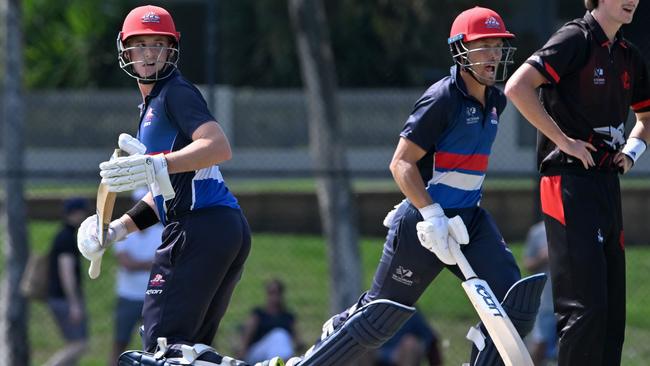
(270, 330)
(415, 342)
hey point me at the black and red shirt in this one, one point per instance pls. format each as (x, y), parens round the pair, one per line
(592, 83)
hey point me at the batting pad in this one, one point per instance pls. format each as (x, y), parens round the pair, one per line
(367, 328)
(521, 303)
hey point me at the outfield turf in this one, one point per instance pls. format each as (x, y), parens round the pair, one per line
(300, 262)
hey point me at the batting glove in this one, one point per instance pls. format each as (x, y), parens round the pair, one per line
(434, 232)
(129, 172)
(88, 242)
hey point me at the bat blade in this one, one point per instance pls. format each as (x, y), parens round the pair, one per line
(104, 210)
(511, 348)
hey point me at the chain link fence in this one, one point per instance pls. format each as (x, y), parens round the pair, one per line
(69, 132)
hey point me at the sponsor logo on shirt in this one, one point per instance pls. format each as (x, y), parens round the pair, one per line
(599, 76)
(403, 275)
(472, 115)
(616, 135)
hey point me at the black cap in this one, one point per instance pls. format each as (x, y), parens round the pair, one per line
(73, 204)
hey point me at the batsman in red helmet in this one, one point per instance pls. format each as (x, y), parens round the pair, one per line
(589, 77)
(206, 239)
(439, 165)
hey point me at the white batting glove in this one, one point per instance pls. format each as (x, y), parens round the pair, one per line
(433, 232)
(87, 240)
(129, 172)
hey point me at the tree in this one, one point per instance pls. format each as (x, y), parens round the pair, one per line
(326, 145)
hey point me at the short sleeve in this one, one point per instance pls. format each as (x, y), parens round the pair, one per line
(426, 123)
(187, 108)
(565, 52)
(641, 89)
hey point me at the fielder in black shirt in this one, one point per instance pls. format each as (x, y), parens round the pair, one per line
(588, 77)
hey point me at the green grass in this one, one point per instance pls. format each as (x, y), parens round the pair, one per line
(300, 262)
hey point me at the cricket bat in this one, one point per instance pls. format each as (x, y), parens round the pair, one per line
(511, 347)
(105, 206)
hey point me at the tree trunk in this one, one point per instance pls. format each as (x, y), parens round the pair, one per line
(14, 348)
(327, 148)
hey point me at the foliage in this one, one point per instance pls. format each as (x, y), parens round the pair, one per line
(67, 45)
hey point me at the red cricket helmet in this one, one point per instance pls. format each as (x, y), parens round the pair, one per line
(477, 23)
(474, 24)
(149, 19)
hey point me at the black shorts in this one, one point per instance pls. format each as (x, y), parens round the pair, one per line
(194, 274)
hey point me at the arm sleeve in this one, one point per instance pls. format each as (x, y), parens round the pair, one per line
(565, 52)
(427, 122)
(187, 108)
(641, 89)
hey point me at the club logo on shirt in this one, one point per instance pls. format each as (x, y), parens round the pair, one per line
(148, 117)
(625, 79)
(494, 118)
(403, 275)
(472, 115)
(492, 23)
(599, 236)
(150, 17)
(599, 76)
(157, 280)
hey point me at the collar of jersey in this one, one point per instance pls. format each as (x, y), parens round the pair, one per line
(460, 84)
(161, 83)
(458, 81)
(598, 31)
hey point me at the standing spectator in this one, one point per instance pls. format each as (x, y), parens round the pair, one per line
(135, 256)
(65, 296)
(577, 90)
(415, 342)
(270, 330)
(543, 336)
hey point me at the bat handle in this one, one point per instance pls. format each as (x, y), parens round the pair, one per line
(95, 268)
(461, 261)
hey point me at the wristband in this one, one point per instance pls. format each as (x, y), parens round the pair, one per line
(143, 215)
(432, 210)
(633, 148)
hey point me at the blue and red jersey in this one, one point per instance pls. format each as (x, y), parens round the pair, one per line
(171, 113)
(457, 132)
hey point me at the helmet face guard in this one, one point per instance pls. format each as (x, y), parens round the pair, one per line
(165, 56)
(462, 57)
(148, 20)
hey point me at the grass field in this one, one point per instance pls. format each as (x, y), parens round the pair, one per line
(300, 262)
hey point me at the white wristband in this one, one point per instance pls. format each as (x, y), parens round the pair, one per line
(431, 210)
(633, 148)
